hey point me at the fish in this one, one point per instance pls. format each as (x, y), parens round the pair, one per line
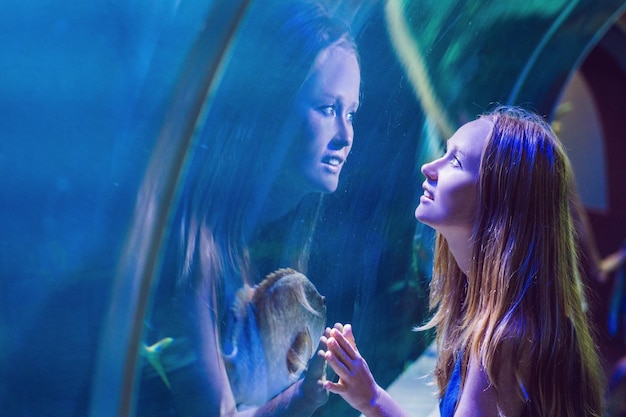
(272, 333)
(166, 355)
(152, 354)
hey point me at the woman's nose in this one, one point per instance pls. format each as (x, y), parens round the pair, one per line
(345, 132)
(429, 170)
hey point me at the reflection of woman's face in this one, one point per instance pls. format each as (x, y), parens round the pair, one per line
(450, 198)
(326, 103)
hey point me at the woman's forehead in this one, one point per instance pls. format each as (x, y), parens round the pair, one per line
(470, 138)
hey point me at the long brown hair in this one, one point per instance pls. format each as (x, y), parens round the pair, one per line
(524, 287)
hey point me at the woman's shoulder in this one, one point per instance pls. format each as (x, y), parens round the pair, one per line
(491, 392)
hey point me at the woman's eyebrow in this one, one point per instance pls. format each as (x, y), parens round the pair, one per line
(452, 147)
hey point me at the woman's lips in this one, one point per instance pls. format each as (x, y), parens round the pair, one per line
(427, 194)
(333, 162)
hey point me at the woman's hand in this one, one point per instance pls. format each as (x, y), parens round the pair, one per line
(356, 384)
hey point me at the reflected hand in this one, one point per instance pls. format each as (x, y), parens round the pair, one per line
(312, 388)
(356, 384)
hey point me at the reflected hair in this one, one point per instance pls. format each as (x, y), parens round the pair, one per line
(524, 295)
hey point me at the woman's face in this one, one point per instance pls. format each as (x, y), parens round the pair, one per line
(326, 104)
(450, 198)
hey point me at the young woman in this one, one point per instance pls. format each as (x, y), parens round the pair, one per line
(275, 138)
(512, 335)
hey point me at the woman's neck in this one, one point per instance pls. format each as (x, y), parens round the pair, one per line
(460, 246)
(281, 200)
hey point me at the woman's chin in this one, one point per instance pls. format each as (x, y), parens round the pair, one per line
(328, 186)
(419, 213)
(422, 216)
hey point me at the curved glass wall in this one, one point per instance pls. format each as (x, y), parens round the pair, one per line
(150, 154)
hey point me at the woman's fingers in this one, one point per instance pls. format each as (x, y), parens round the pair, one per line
(345, 344)
(347, 332)
(326, 332)
(337, 360)
(335, 387)
(323, 343)
(341, 354)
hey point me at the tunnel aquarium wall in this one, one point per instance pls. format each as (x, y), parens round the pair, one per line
(177, 191)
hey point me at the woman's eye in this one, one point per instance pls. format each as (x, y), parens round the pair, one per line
(328, 110)
(452, 159)
(350, 116)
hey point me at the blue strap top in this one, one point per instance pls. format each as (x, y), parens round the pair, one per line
(447, 404)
